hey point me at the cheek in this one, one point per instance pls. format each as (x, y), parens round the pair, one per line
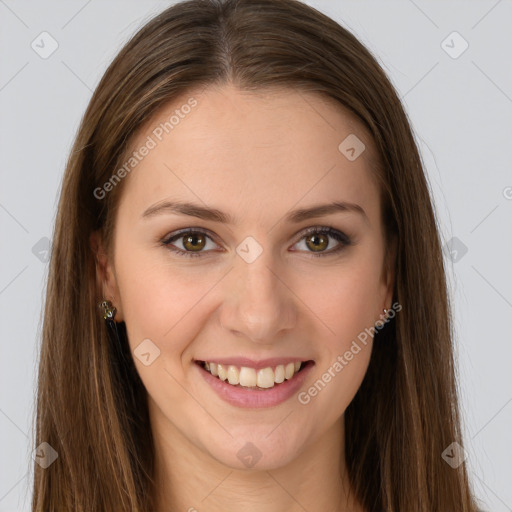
(349, 300)
(347, 307)
(160, 302)
(334, 385)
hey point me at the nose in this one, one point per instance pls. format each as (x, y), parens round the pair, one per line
(258, 302)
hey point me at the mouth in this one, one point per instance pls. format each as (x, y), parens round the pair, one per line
(248, 377)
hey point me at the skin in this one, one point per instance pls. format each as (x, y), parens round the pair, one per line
(257, 156)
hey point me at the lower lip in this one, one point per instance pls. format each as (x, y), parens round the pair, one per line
(257, 398)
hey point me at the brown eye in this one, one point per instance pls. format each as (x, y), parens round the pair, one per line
(194, 242)
(317, 242)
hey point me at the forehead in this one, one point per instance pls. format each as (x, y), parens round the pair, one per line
(258, 151)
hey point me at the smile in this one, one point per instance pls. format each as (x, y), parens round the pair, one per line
(248, 377)
(245, 383)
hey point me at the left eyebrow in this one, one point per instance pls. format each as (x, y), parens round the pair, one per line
(215, 215)
(299, 215)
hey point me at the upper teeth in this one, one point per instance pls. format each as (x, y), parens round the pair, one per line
(250, 377)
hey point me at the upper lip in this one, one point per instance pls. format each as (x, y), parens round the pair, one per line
(251, 363)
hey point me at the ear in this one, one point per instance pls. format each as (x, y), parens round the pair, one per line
(388, 273)
(105, 275)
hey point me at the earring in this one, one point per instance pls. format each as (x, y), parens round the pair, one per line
(109, 311)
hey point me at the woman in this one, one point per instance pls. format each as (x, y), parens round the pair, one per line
(246, 204)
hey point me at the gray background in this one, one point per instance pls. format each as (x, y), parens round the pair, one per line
(460, 109)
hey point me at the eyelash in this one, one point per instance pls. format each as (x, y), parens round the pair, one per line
(323, 230)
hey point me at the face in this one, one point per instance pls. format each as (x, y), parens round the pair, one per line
(259, 283)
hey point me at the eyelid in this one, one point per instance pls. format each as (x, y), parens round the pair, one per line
(185, 231)
(328, 230)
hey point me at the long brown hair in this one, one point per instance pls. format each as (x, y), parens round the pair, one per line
(91, 403)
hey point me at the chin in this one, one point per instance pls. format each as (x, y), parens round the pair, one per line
(257, 452)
